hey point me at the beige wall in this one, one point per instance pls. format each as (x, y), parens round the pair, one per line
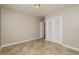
(70, 25)
(16, 26)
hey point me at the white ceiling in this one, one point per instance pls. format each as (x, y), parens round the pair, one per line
(44, 10)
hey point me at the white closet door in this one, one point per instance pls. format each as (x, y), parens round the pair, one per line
(58, 29)
(49, 28)
(54, 29)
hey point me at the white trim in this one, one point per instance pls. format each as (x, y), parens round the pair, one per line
(54, 41)
(73, 48)
(18, 42)
(67, 46)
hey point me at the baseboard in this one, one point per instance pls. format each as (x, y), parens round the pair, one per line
(73, 48)
(18, 42)
(67, 46)
(54, 41)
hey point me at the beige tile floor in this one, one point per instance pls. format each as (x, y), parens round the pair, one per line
(37, 47)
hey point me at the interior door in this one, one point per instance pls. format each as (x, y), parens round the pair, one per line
(49, 28)
(54, 29)
(57, 29)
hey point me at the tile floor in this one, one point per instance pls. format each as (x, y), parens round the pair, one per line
(37, 47)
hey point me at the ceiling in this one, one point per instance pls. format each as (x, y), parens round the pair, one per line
(44, 10)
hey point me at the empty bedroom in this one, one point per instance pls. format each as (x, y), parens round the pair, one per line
(39, 29)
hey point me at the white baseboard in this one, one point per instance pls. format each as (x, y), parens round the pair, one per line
(73, 48)
(53, 41)
(18, 42)
(67, 46)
